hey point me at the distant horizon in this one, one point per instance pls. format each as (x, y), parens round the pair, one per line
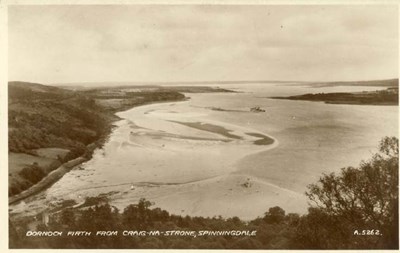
(122, 83)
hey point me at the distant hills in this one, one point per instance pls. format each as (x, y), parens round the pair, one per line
(388, 96)
(378, 83)
(375, 83)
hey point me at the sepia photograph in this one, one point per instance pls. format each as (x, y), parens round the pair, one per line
(217, 126)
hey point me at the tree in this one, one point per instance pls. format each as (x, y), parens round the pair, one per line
(275, 215)
(67, 218)
(293, 219)
(32, 173)
(363, 198)
(138, 215)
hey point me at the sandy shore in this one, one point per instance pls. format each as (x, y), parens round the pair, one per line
(180, 159)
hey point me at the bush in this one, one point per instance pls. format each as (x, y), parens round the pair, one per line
(32, 173)
(275, 215)
(363, 198)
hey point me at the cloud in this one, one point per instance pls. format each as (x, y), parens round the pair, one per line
(79, 43)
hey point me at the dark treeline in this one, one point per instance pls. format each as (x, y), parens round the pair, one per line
(356, 209)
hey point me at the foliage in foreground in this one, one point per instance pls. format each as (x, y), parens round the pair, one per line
(357, 209)
(359, 201)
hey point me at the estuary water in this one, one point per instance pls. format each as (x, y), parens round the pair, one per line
(211, 155)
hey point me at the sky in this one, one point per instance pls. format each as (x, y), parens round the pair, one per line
(54, 44)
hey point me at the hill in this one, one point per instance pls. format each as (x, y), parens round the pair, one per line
(49, 126)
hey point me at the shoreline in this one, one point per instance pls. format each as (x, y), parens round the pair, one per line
(224, 184)
(228, 180)
(66, 167)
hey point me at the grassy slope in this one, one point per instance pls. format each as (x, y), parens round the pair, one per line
(47, 117)
(43, 117)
